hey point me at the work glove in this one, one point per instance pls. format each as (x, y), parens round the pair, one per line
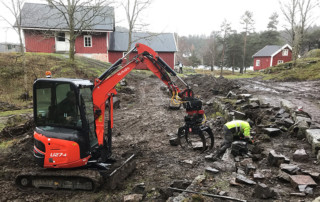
(249, 140)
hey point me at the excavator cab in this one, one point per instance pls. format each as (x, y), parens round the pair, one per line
(65, 130)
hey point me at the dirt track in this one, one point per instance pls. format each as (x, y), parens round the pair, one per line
(142, 125)
(305, 94)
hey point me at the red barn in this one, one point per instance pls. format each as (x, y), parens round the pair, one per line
(272, 55)
(45, 30)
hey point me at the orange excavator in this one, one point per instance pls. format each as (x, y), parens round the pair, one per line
(69, 115)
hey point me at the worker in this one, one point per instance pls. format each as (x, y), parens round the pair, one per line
(234, 130)
(180, 67)
(67, 108)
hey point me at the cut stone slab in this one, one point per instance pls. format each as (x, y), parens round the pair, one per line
(197, 145)
(254, 105)
(313, 137)
(240, 101)
(287, 105)
(300, 155)
(212, 170)
(254, 100)
(258, 176)
(297, 180)
(288, 122)
(289, 168)
(314, 175)
(275, 159)
(250, 168)
(272, 131)
(244, 180)
(283, 176)
(262, 191)
(245, 96)
(133, 198)
(239, 115)
(301, 118)
(174, 141)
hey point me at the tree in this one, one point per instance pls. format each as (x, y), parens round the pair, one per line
(297, 14)
(234, 51)
(212, 49)
(273, 23)
(15, 7)
(225, 32)
(80, 16)
(194, 60)
(133, 10)
(248, 22)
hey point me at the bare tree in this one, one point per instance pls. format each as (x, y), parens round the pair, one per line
(298, 17)
(248, 22)
(15, 7)
(213, 48)
(80, 16)
(225, 32)
(134, 10)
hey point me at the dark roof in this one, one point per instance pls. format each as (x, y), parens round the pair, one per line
(44, 16)
(267, 51)
(163, 42)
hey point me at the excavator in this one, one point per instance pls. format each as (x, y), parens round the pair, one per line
(71, 145)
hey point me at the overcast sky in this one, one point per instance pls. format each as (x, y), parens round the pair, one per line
(186, 17)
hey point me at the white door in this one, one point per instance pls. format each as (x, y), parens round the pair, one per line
(62, 41)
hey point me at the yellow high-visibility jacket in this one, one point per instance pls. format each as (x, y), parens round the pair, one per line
(239, 127)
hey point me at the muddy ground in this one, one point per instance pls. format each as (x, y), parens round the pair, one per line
(143, 124)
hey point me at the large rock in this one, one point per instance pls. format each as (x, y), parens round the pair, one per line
(287, 105)
(244, 180)
(239, 115)
(297, 180)
(272, 131)
(289, 168)
(275, 159)
(180, 184)
(313, 136)
(133, 198)
(262, 191)
(300, 155)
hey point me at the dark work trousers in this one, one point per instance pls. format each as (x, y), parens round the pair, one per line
(228, 139)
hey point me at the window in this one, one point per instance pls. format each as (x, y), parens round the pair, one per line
(285, 52)
(61, 36)
(280, 61)
(87, 41)
(257, 63)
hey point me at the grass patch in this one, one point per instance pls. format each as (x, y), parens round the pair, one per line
(36, 64)
(15, 112)
(5, 144)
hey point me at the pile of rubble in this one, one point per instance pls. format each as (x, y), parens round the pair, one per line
(265, 167)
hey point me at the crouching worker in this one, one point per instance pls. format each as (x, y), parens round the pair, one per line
(234, 130)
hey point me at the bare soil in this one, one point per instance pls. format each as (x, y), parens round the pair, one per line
(142, 124)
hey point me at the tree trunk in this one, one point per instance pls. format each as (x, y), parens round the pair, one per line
(244, 54)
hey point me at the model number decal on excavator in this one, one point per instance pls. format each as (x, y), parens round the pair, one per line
(123, 71)
(58, 154)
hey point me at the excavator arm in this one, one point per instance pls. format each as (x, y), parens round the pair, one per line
(104, 85)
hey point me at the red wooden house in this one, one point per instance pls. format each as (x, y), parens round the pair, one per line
(270, 56)
(45, 30)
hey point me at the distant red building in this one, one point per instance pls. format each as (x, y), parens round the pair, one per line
(48, 33)
(272, 55)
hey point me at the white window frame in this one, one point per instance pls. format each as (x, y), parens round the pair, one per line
(285, 52)
(84, 40)
(280, 62)
(258, 63)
